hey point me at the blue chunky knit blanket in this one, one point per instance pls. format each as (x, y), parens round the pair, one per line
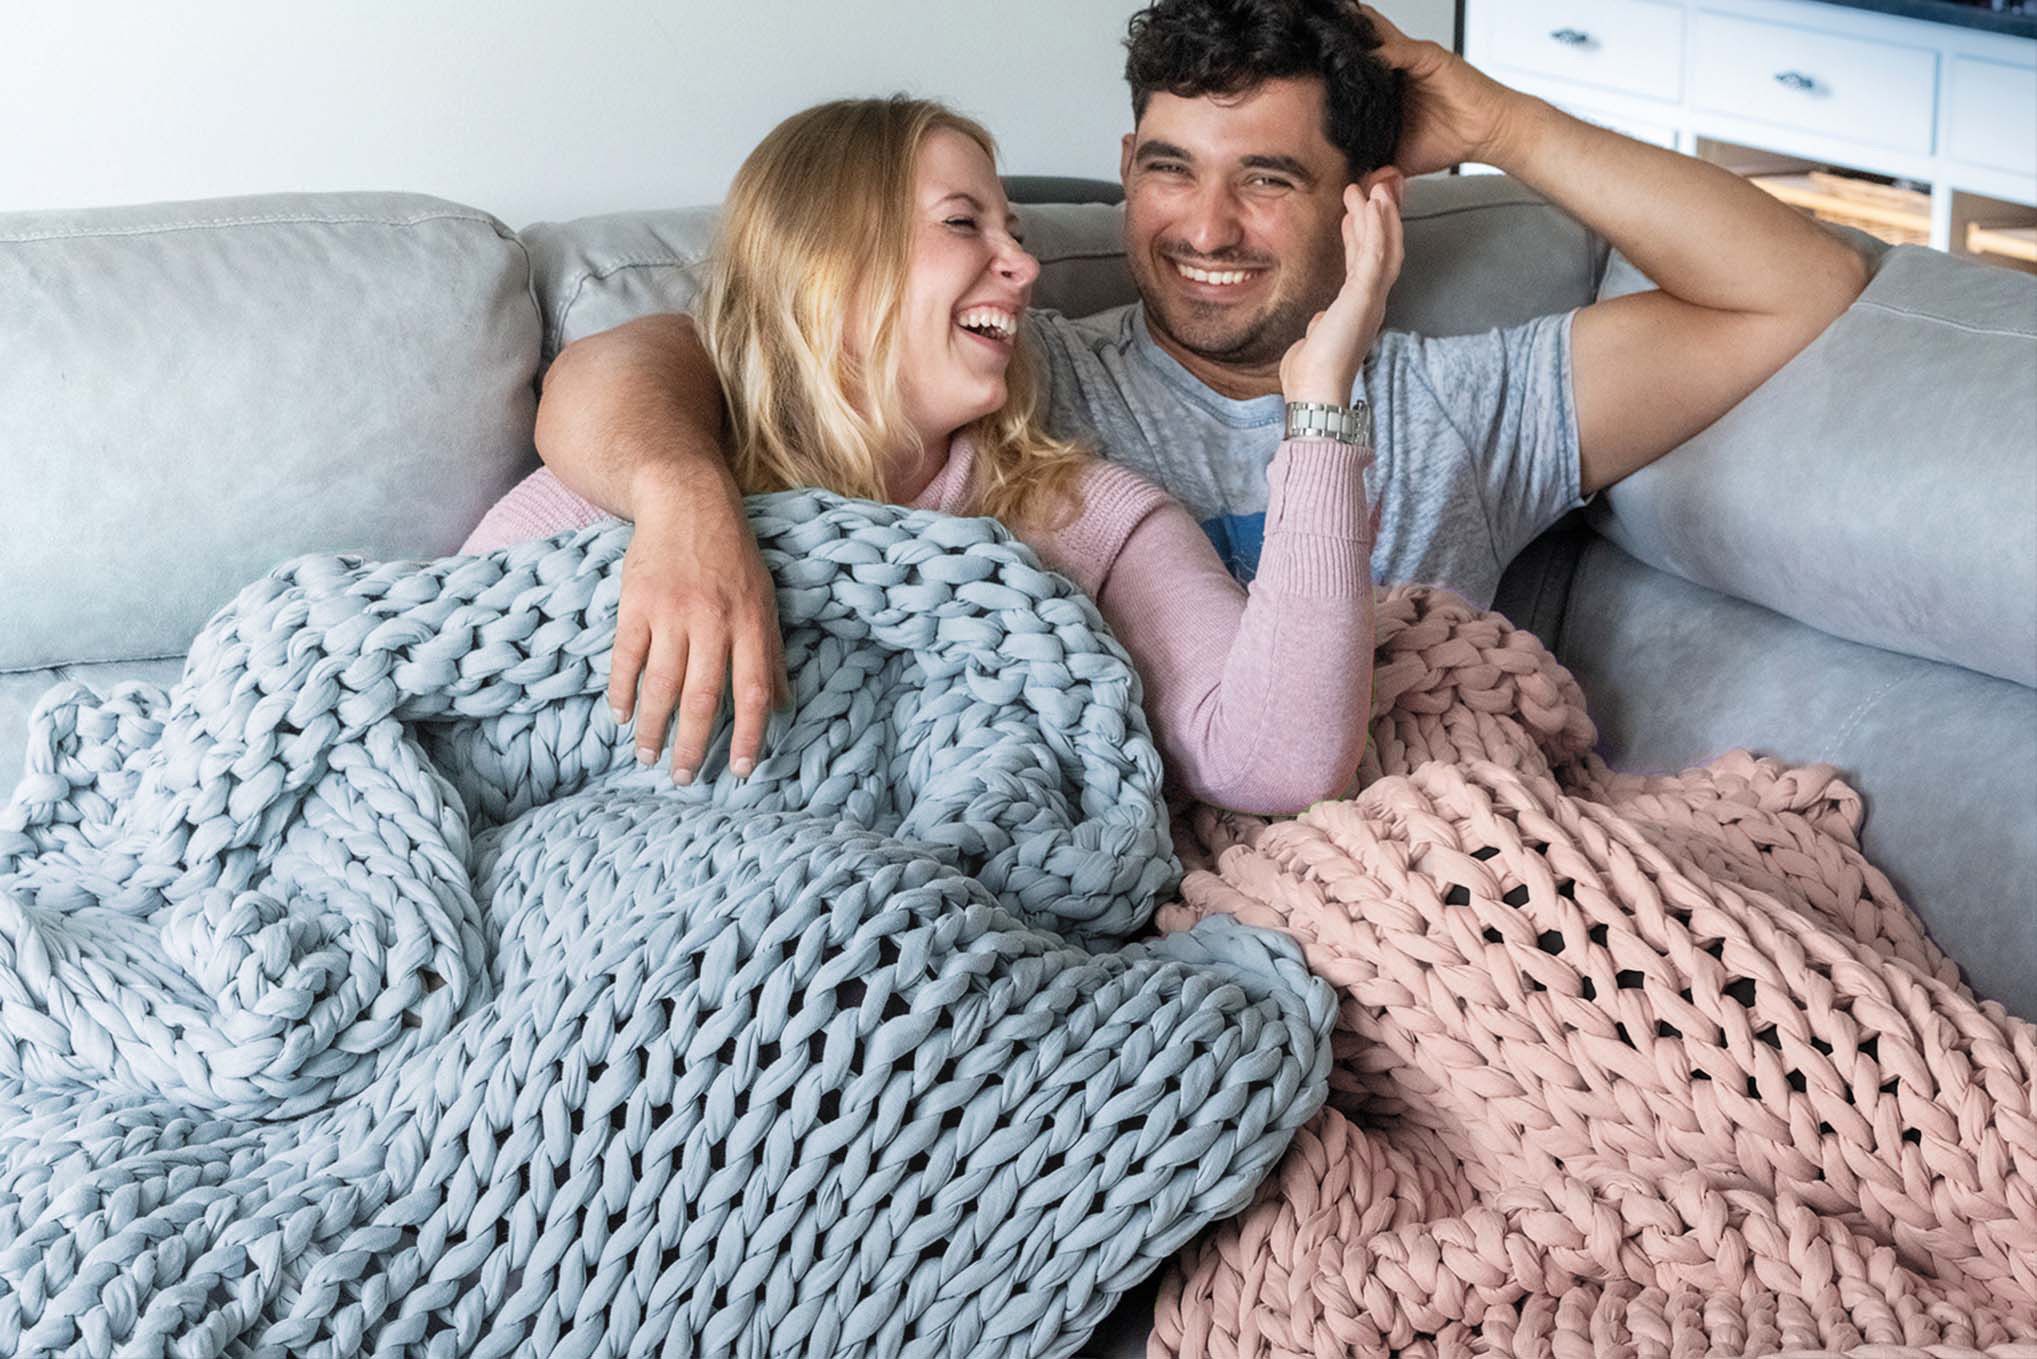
(361, 995)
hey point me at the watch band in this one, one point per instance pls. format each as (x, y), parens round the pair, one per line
(1350, 424)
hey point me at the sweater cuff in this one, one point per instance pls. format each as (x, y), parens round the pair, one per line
(1317, 486)
(1318, 526)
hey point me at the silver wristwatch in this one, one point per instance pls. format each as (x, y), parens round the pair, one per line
(1350, 424)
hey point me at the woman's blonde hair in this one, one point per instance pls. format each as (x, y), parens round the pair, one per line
(814, 241)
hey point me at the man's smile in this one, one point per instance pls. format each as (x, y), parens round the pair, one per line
(1215, 282)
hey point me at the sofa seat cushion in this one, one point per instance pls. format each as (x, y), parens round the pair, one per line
(1945, 759)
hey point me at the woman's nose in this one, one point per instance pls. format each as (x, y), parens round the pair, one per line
(1018, 265)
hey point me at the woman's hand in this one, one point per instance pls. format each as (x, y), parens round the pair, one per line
(1323, 365)
(698, 612)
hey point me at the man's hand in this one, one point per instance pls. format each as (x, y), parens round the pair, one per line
(1743, 282)
(1453, 112)
(698, 610)
(631, 419)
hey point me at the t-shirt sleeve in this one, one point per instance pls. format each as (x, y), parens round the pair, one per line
(1508, 395)
(1057, 374)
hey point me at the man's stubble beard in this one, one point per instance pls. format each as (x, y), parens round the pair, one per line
(1210, 333)
(1253, 342)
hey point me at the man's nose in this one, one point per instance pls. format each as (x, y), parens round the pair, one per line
(1212, 224)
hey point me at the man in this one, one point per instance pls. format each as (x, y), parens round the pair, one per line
(1250, 119)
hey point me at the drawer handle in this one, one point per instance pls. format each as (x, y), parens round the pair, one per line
(1795, 80)
(1572, 37)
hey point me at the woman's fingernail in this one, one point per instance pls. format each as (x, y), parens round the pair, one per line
(645, 755)
(620, 716)
(681, 775)
(742, 767)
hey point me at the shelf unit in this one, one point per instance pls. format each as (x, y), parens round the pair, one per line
(2011, 243)
(1787, 87)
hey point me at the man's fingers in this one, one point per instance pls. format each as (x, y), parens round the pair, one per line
(707, 662)
(626, 663)
(658, 690)
(1391, 39)
(751, 692)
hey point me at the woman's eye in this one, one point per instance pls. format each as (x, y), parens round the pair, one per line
(962, 223)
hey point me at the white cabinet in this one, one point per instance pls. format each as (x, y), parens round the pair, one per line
(1941, 104)
(1991, 114)
(1625, 45)
(1881, 94)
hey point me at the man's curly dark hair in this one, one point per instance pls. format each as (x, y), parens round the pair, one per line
(1190, 48)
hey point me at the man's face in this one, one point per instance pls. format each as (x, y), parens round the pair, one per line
(1233, 206)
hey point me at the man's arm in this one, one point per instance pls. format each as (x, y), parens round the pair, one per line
(630, 407)
(1744, 281)
(631, 419)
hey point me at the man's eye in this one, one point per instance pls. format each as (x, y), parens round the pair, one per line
(1164, 167)
(1269, 182)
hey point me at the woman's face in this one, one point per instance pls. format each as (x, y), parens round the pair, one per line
(966, 286)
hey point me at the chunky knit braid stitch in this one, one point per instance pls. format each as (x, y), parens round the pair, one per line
(1623, 1065)
(362, 996)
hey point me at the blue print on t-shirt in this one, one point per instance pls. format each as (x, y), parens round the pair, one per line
(1238, 538)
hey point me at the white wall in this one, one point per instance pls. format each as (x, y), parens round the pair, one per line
(529, 110)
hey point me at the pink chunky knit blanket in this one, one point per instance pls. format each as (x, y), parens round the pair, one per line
(1623, 1066)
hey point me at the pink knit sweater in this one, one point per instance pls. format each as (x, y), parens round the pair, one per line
(1258, 697)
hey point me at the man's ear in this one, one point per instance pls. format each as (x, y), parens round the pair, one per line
(1396, 183)
(1125, 158)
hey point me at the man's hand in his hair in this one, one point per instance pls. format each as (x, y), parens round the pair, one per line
(1453, 112)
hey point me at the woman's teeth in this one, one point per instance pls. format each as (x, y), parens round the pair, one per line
(989, 321)
(1218, 276)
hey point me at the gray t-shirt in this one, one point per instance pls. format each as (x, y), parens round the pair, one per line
(1475, 439)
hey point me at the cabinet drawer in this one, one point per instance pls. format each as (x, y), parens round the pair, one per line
(1991, 115)
(1880, 94)
(1634, 46)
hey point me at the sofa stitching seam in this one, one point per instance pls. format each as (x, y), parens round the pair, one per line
(71, 663)
(1947, 321)
(164, 228)
(1854, 718)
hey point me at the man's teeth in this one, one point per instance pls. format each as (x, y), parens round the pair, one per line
(995, 320)
(1218, 276)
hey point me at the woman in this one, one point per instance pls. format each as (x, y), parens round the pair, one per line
(863, 314)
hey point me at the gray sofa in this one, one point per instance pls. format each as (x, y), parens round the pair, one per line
(1843, 569)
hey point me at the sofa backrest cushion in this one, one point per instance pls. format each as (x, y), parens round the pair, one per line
(193, 391)
(1482, 251)
(1879, 487)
